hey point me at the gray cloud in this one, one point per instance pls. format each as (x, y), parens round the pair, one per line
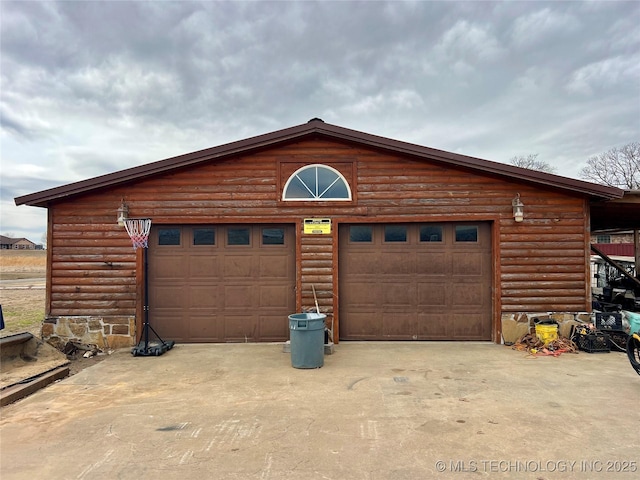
(93, 87)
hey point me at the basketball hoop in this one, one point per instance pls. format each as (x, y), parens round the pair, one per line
(138, 229)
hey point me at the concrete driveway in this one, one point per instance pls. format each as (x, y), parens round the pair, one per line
(374, 411)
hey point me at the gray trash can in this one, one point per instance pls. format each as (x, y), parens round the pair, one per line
(307, 339)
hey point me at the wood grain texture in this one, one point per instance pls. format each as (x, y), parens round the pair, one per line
(539, 263)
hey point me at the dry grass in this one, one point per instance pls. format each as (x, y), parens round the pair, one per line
(23, 310)
(22, 305)
(22, 264)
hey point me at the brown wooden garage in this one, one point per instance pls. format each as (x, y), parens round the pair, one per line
(222, 283)
(420, 276)
(417, 281)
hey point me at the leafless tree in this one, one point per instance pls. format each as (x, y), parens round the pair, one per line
(532, 163)
(618, 167)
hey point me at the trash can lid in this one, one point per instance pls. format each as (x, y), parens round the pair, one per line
(307, 316)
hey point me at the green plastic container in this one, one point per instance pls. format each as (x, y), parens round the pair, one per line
(307, 339)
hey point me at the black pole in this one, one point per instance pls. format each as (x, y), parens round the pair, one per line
(144, 349)
(146, 299)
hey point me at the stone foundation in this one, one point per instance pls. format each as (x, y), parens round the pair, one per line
(108, 333)
(515, 325)
(119, 332)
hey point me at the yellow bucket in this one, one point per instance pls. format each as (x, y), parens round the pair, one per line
(547, 332)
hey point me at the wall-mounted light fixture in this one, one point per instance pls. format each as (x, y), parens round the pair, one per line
(123, 213)
(518, 208)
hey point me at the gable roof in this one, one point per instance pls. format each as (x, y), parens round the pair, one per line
(317, 128)
(10, 241)
(7, 240)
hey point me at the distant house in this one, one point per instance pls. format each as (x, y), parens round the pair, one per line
(7, 243)
(618, 243)
(612, 238)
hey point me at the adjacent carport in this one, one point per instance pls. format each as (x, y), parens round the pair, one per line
(619, 214)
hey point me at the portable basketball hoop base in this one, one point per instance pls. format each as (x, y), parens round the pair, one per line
(154, 349)
(138, 229)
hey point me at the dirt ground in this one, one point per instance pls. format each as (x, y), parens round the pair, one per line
(22, 296)
(79, 363)
(17, 300)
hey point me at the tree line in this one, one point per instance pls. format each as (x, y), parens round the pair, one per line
(617, 167)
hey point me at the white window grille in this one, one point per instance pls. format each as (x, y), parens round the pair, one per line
(316, 183)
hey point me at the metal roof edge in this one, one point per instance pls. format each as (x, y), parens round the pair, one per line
(41, 198)
(488, 166)
(316, 126)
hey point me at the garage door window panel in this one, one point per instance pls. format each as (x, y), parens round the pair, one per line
(204, 236)
(395, 233)
(360, 234)
(466, 233)
(169, 236)
(273, 236)
(239, 236)
(431, 233)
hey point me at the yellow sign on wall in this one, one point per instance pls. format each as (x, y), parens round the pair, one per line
(317, 226)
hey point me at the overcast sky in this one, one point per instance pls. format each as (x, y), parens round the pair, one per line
(90, 88)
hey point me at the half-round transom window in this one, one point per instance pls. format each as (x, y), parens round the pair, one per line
(316, 183)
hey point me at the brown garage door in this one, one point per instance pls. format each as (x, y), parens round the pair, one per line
(415, 281)
(222, 283)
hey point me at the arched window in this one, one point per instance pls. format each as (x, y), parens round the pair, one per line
(316, 183)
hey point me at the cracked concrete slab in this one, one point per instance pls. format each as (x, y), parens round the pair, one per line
(373, 411)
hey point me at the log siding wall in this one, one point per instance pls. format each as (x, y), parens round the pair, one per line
(540, 264)
(317, 259)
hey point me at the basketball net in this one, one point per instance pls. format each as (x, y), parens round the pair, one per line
(138, 229)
